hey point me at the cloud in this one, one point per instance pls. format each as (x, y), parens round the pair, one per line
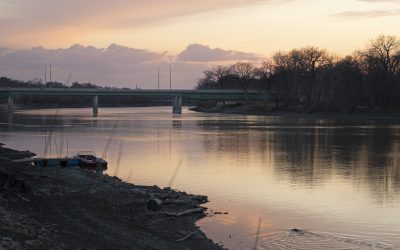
(59, 22)
(202, 53)
(115, 65)
(368, 13)
(44, 15)
(78, 57)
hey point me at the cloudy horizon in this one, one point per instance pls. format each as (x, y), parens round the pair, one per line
(118, 65)
(123, 42)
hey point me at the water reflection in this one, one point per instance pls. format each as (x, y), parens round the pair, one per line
(330, 175)
(306, 153)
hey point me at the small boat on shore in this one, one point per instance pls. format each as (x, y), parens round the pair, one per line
(89, 160)
(84, 159)
(55, 162)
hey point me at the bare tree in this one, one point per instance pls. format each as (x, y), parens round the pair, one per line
(312, 60)
(385, 50)
(300, 68)
(221, 74)
(264, 73)
(244, 72)
(208, 81)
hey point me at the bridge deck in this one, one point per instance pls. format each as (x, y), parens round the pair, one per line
(186, 94)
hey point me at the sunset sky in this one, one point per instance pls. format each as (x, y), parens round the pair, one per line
(193, 35)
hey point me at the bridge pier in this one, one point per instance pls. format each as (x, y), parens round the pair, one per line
(177, 104)
(95, 105)
(10, 103)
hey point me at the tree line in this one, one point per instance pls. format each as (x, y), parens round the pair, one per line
(73, 101)
(314, 77)
(6, 82)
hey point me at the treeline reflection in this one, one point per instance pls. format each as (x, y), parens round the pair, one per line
(310, 152)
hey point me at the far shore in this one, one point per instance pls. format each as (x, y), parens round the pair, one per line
(251, 108)
(257, 108)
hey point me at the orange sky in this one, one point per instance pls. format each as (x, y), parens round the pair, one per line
(253, 25)
(179, 31)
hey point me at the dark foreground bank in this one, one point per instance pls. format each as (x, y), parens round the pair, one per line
(78, 209)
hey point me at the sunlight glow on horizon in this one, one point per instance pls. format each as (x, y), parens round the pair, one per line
(261, 27)
(209, 32)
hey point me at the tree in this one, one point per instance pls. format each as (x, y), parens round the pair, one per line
(384, 53)
(381, 65)
(244, 72)
(312, 61)
(208, 81)
(264, 74)
(344, 84)
(221, 73)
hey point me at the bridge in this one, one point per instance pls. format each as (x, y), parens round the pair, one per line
(176, 95)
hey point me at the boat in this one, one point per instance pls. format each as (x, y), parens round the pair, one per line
(55, 162)
(89, 160)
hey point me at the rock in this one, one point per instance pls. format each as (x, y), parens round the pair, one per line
(35, 244)
(297, 231)
(154, 204)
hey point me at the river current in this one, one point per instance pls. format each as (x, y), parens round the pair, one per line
(335, 179)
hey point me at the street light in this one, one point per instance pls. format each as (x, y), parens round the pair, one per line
(158, 78)
(170, 78)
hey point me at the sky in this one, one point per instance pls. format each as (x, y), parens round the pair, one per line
(123, 42)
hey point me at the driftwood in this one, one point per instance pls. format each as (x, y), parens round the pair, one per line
(186, 237)
(189, 211)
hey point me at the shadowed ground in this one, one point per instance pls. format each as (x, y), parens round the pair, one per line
(78, 209)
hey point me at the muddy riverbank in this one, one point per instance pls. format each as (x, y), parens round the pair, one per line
(71, 208)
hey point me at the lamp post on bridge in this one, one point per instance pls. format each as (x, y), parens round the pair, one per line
(158, 79)
(45, 74)
(170, 78)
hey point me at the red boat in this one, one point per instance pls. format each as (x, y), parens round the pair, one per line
(89, 160)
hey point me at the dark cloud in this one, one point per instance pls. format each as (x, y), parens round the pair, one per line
(202, 53)
(115, 65)
(367, 14)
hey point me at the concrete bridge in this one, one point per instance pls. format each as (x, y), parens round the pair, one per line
(176, 95)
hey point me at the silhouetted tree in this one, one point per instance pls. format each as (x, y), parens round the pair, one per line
(244, 72)
(208, 81)
(381, 66)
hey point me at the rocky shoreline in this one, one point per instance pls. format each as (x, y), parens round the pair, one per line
(72, 208)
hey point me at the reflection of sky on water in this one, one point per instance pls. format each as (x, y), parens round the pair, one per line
(336, 177)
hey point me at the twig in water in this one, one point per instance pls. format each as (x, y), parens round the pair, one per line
(120, 148)
(55, 143)
(109, 140)
(62, 143)
(45, 142)
(129, 175)
(50, 141)
(174, 174)
(258, 233)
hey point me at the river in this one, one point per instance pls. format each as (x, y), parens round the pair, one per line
(337, 179)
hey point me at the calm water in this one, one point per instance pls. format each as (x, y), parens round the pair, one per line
(338, 179)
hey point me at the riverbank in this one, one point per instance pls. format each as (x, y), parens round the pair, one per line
(72, 208)
(259, 108)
